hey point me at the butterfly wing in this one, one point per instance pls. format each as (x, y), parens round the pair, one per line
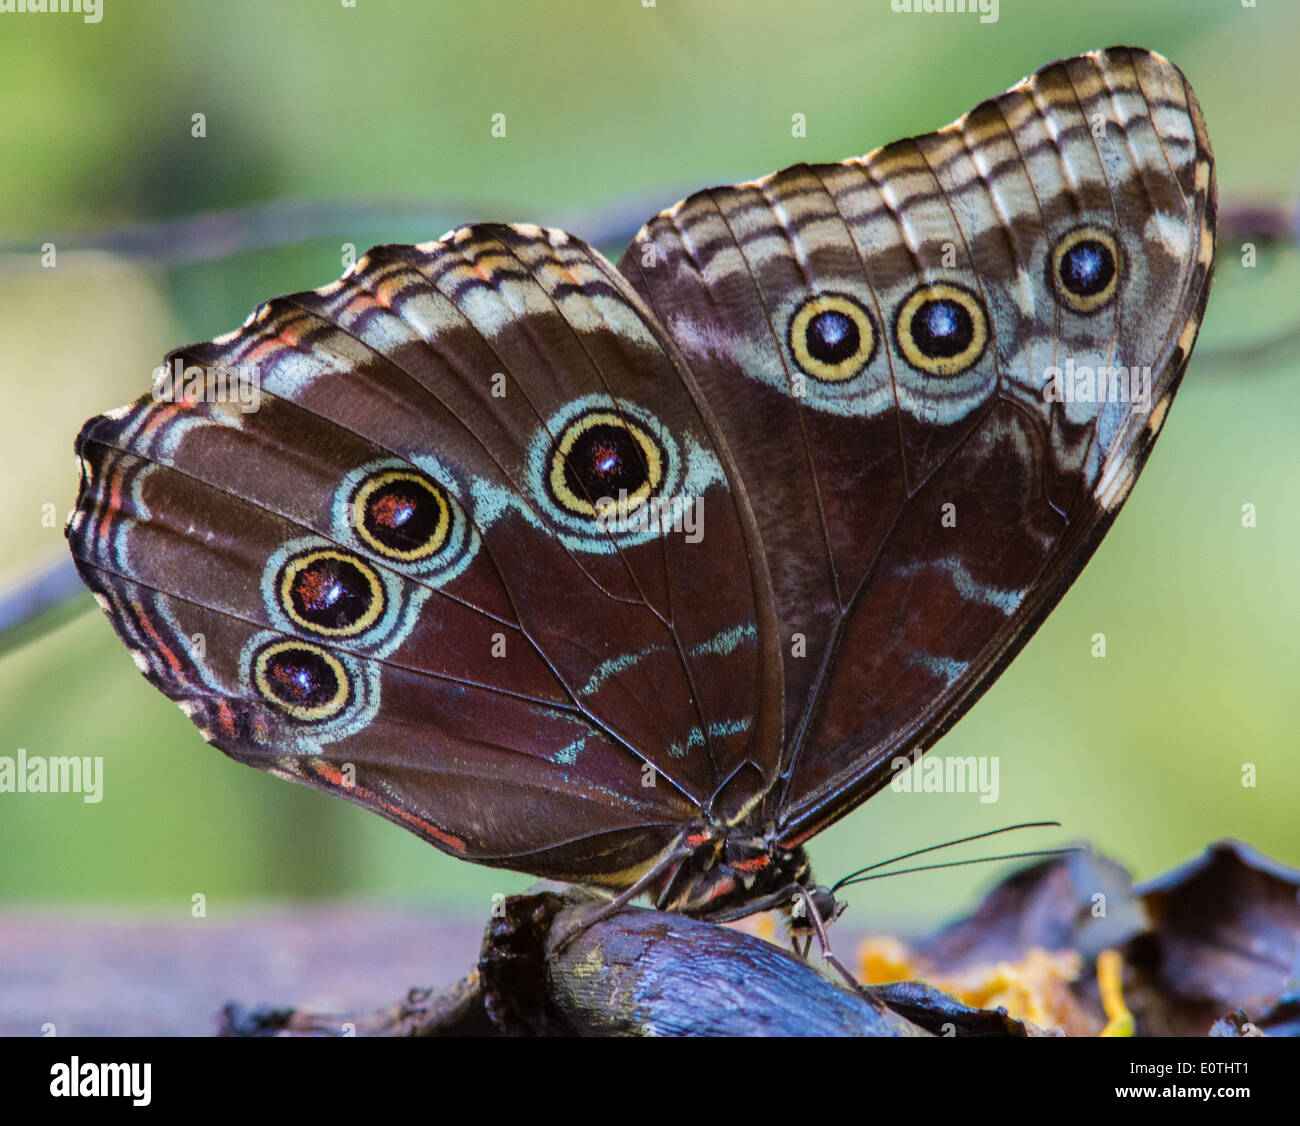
(395, 579)
(876, 339)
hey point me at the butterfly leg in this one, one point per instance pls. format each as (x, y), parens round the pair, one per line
(814, 918)
(615, 905)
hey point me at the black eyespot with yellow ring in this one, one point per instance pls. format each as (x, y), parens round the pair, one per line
(1084, 269)
(305, 682)
(941, 329)
(330, 593)
(401, 514)
(604, 456)
(832, 337)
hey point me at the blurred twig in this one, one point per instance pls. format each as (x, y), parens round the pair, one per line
(1273, 228)
(38, 603)
(213, 235)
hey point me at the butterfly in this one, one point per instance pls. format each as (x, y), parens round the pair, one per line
(640, 576)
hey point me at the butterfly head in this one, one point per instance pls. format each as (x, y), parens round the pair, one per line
(823, 901)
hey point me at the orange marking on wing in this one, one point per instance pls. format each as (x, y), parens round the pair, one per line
(157, 417)
(757, 864)
(332, 774)
(114, 505)
(159, 644)
(334, 777)
(385, 290)
(270, 345)
(433, 830)
(226, 718)
(697, 839)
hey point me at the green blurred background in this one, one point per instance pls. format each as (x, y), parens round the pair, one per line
(1141, 753)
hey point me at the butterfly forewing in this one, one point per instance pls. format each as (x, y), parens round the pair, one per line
(887, 344)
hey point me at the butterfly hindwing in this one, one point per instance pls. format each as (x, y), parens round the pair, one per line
(389, 578)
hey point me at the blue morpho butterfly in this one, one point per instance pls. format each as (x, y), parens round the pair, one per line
(640, 576)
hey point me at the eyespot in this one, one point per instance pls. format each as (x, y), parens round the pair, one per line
(407, 517)
(304, 681)
(401, 515)
(832, 337)
(603, 456)
(941, 329)
(330, 593)
(1085, 268)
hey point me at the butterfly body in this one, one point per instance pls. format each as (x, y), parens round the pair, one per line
(729, 874)
(641, 576)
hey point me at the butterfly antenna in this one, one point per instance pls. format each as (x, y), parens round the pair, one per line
(854, 877)
(961, 863)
